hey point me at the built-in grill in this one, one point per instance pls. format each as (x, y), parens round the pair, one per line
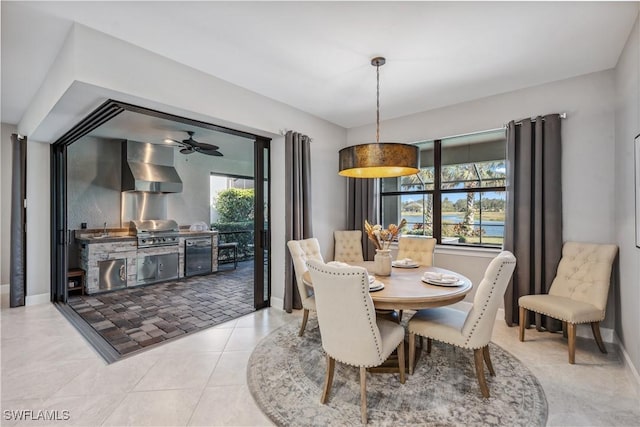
(152, 233)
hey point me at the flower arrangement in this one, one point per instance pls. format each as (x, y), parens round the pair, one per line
(381, 237)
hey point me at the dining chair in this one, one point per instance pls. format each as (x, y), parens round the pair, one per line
(470, 330)
(348, 246)
(578, 293)
(418, 248)
(351, 333)
(301, 251)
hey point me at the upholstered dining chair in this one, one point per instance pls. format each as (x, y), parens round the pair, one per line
(301, 251)
(418, 248)
(351, 333)
(470, 330)
(578, 293)
(348, 246)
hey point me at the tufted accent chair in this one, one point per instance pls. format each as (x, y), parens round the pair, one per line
(348, 246)
(302, 251)
(418, 248)
(350, 331)
(578, 293)
(470, 330)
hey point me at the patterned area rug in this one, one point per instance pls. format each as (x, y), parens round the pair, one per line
(130, 320)
(286, 373)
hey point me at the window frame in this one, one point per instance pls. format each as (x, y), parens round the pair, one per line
(437, 194)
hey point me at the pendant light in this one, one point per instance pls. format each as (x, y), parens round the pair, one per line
(376, 159)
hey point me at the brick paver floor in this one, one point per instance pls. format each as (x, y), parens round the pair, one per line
(135, 318)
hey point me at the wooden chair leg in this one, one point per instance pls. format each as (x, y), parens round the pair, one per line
(363, 394)
(523, 322)
(571, 331)
(595, 328)
(429, 341)
(487, 360)
(328, 379)
(477, 355)
(565, 333)
(401, 361)
(412, 351)
(305, 317)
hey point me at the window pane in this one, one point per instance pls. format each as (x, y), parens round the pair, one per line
(474, 161)
(416, 209)
(473, 218)
(422, 181)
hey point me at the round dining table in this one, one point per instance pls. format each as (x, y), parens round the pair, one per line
(405, 290)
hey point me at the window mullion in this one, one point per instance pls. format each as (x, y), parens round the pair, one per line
(437, 199)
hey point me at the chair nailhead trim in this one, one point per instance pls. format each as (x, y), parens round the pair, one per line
(381, 357)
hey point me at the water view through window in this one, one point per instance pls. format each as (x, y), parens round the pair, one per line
(466, 205)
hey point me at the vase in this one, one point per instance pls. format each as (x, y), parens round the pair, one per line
(382, 261)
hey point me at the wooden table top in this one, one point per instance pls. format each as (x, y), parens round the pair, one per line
(404, 290)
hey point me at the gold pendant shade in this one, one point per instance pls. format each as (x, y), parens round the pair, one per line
(376, 159)
(379, 160)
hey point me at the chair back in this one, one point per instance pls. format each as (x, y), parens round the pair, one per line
(418, 248)
(346, 315)
(478, 326)
(302, 251)
(348, 246)
(584, 273)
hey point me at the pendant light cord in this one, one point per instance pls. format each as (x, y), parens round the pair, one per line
(378, 103)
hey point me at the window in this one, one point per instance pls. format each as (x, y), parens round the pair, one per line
(458, 196)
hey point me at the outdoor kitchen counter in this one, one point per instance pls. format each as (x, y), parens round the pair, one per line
(86, 240)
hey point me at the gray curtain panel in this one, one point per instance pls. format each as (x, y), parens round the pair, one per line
(533, 229)
(298, 206)
(17, 270)
(363, 202)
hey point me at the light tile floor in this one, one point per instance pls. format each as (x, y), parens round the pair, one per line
(200, 379)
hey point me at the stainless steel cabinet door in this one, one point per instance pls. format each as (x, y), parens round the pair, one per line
(167, 266)
(112, 274)
(147, 269)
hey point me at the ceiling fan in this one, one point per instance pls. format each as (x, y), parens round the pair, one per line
(190, 146)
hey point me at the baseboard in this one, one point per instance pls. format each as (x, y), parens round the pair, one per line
(632, 372)
(4, 295)
(277, 303)
(29, 299)
(37, 299)
(584, 331)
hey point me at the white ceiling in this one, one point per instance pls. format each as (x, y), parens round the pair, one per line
(316, 56)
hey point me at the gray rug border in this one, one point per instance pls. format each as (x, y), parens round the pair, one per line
(276, 418)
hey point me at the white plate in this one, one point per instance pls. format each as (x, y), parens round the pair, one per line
(376, 286)
(439, 283)
(403, 265)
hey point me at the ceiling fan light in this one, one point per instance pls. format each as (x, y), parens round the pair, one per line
(379, 160)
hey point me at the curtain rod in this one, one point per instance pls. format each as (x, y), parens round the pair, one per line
(533, 119)
(283, 132)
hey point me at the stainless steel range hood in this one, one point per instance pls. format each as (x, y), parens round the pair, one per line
(149, 168)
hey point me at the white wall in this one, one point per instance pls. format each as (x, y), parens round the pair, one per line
(38, 222)
(93, 62)
(5, 199)
(627, 125)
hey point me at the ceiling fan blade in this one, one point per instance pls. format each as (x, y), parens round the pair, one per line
(203, 146)
(211, 152)
(188, 150)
